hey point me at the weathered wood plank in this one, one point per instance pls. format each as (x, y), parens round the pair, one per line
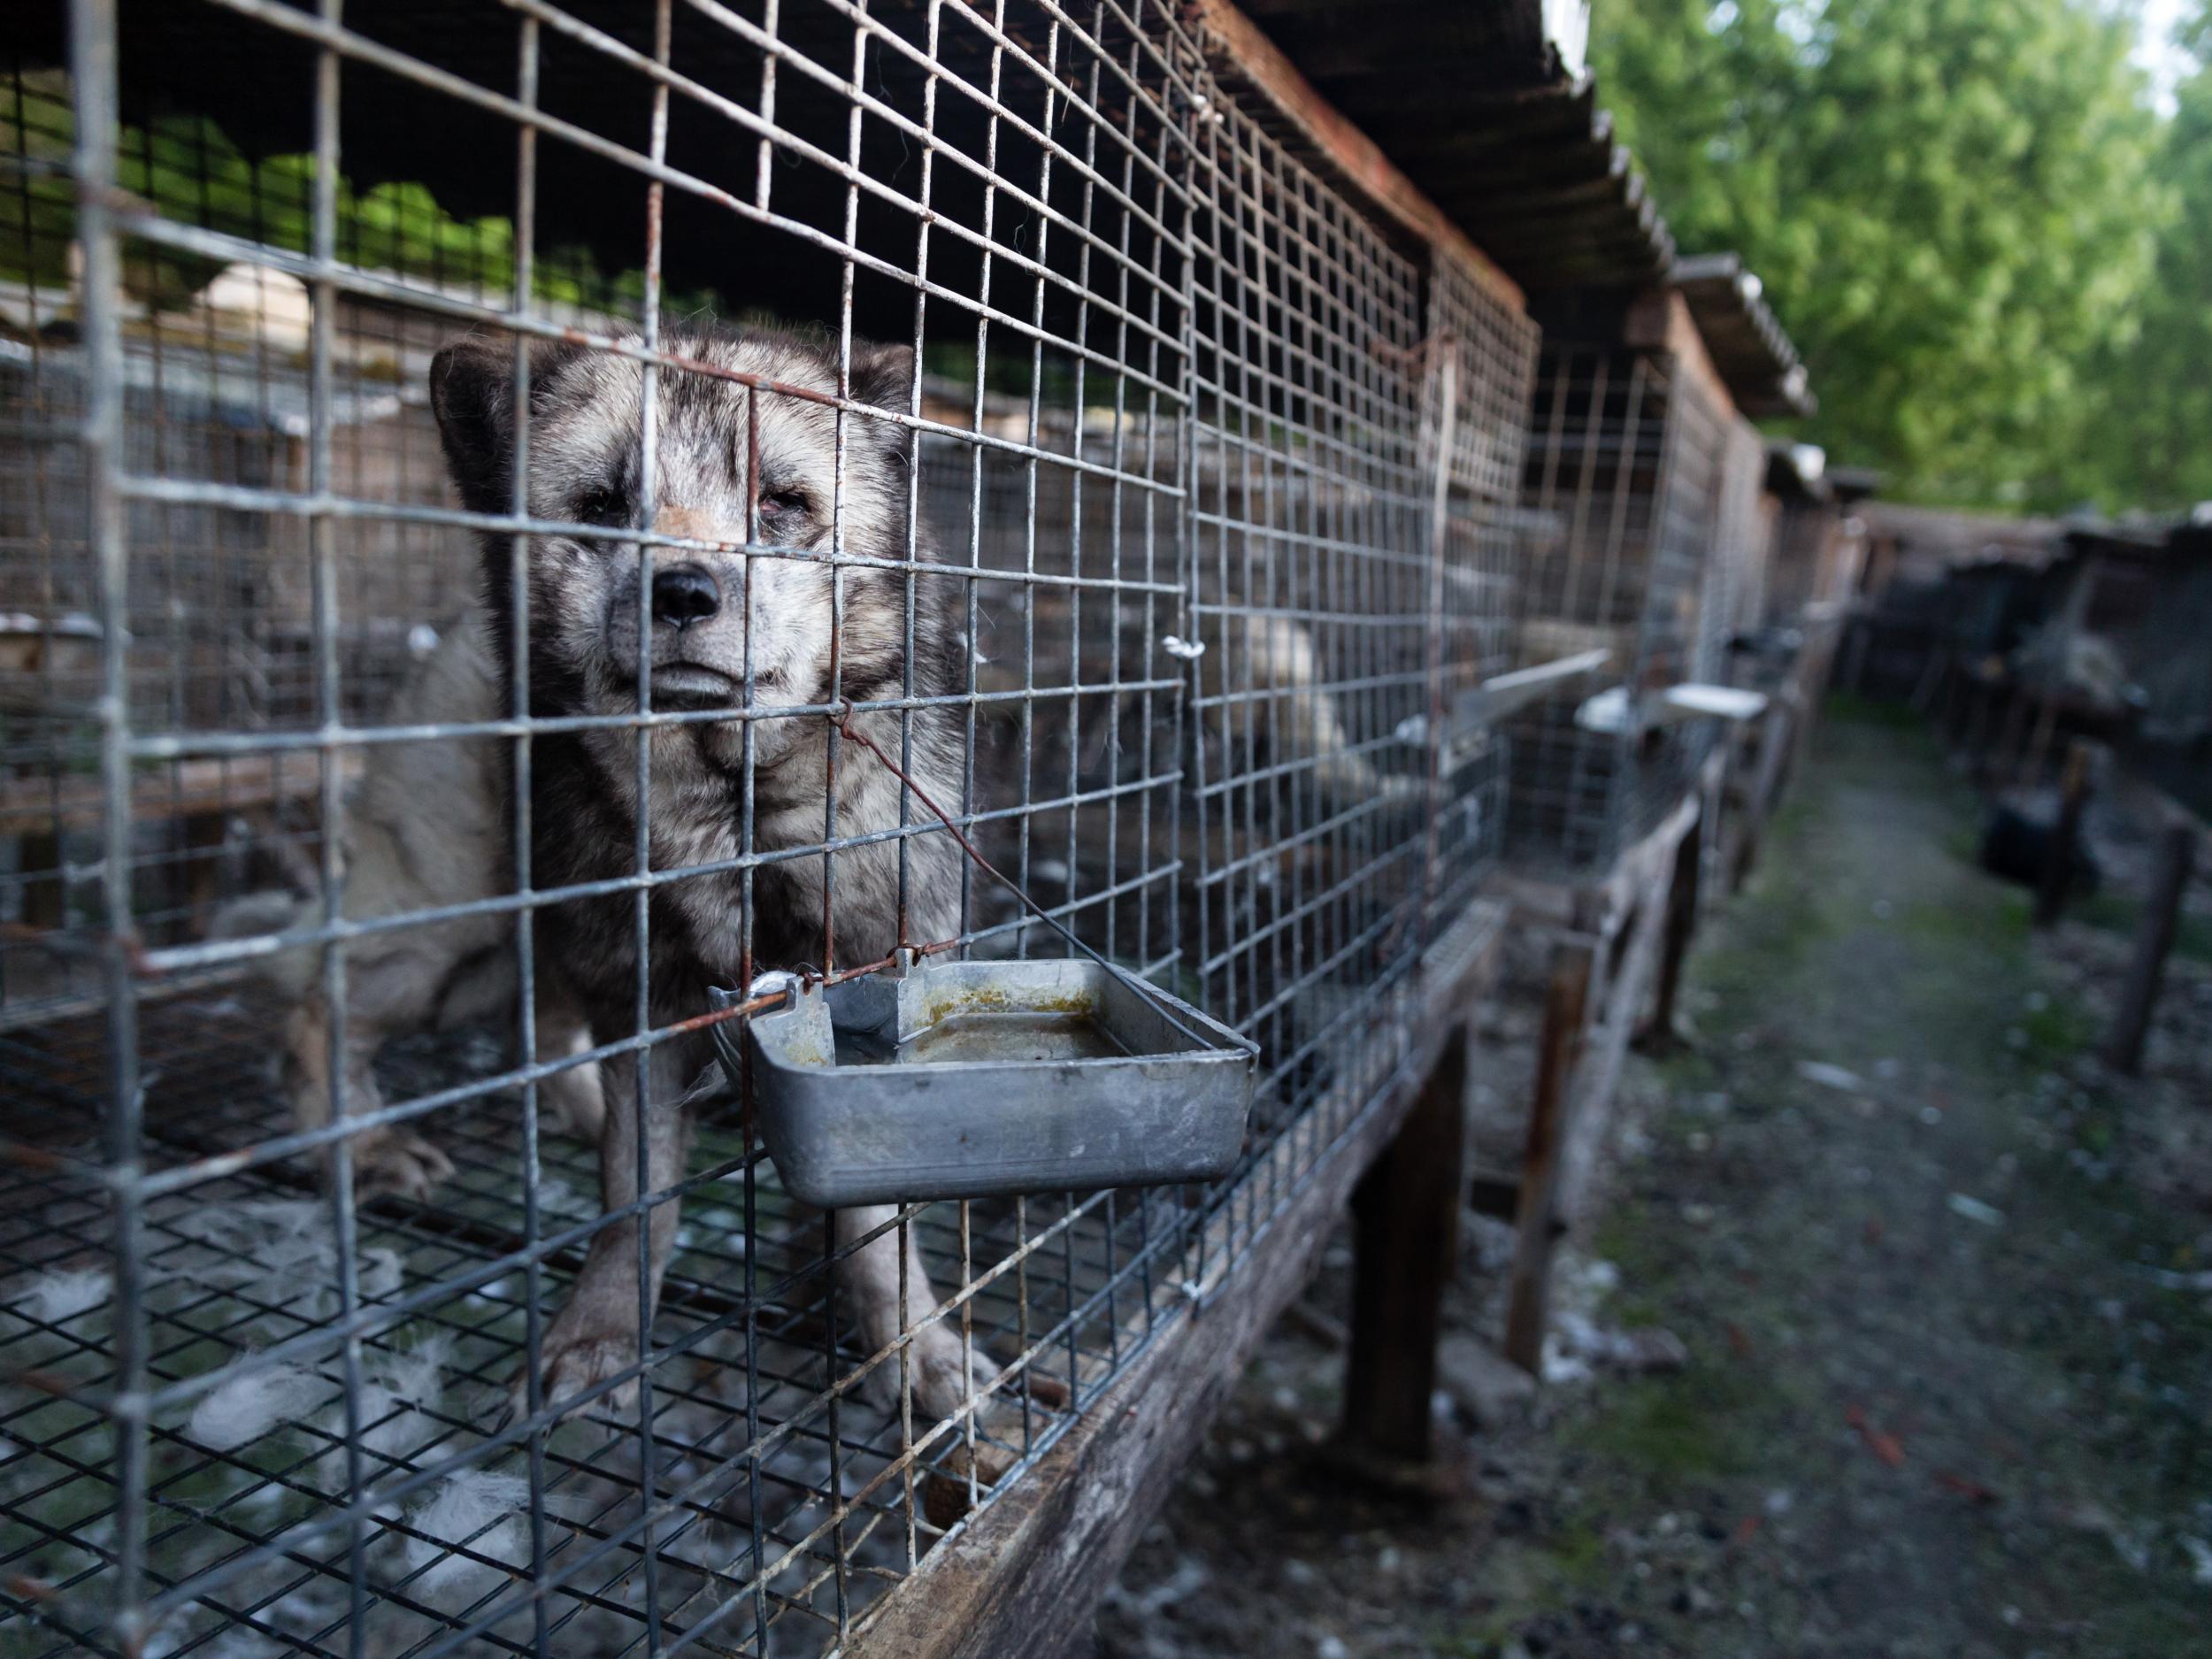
(1775, 739)
(1657, 1033)
(1616, 1001)
(1528, 1295)
(2058, 860)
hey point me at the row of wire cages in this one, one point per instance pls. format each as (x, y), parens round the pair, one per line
(513, 515)
(1805, 533)
(1624, 467)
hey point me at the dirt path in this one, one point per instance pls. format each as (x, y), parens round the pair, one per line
(1950, 1359)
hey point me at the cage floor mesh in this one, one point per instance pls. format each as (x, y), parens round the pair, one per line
(785, 1507)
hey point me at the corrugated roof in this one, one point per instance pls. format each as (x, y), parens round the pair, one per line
(1755, 356)
(1483, 106)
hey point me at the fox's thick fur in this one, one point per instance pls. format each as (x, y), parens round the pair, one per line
(426, 829)
(825, 480)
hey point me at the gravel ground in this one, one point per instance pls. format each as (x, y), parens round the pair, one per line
(1896, 1337)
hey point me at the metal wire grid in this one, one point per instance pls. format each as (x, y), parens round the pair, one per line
(1218, 437)
(1624, 459)
(1805, 533)
(1491, 370)
(1682, 639)
(219, 606)
(1311, 586)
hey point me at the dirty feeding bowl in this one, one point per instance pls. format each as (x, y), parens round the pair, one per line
(959, 1079)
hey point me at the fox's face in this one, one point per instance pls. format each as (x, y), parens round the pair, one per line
(754, 473)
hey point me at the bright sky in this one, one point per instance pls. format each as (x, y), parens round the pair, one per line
(2155, 52)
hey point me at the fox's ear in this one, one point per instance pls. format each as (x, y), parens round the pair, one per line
(473, 394)
(883, 375)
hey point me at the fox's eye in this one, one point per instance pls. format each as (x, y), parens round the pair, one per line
(783, 504)
(602, 506)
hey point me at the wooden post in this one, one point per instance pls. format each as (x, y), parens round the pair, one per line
(2040, 743)
(2009, 736)
(1405, 1243)
(45, 882)
(1817, 682)
(1862, 640)
(2058, 861)
(1658, 1035)
(1773, 744)
(1977, 725)
(1530, 1291)
(2162, 918)
(1931, 681)
(1950, 705)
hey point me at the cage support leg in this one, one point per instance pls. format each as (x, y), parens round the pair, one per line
(1658, 1034)
(1529, 1293)
(1976, 738)
(2162, 916)
(2010, 737)
(2058, 862)
(1405, 1221)
(1774, 737)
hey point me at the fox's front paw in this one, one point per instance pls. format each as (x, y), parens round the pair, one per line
(397, 1162)
(574, 1360)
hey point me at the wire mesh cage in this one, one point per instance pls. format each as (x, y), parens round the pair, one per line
(472, 583)
(1805, 534)
(1625, 464)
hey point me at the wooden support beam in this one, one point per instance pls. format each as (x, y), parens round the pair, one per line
(2039, 744)
(1950, 706)
(1977, 735)
(2059, 857)
(1861, 630)
(1405, 1216)
(1815, 674)
(1926, 688)
(1529, 1292)
(1657, 1035)
(1774, 747)
(2147, 974)
(2013, 734)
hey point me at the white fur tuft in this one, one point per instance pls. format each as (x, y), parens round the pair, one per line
(63, 1294)
(463, 1506)
(397, 1394)
(252, 1400)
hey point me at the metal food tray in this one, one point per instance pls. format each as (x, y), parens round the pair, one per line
(962, 1079)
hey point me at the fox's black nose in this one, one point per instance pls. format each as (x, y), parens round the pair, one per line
(683, 595)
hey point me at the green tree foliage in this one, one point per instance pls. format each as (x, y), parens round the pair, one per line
(2154, 435)
(1954, 205)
